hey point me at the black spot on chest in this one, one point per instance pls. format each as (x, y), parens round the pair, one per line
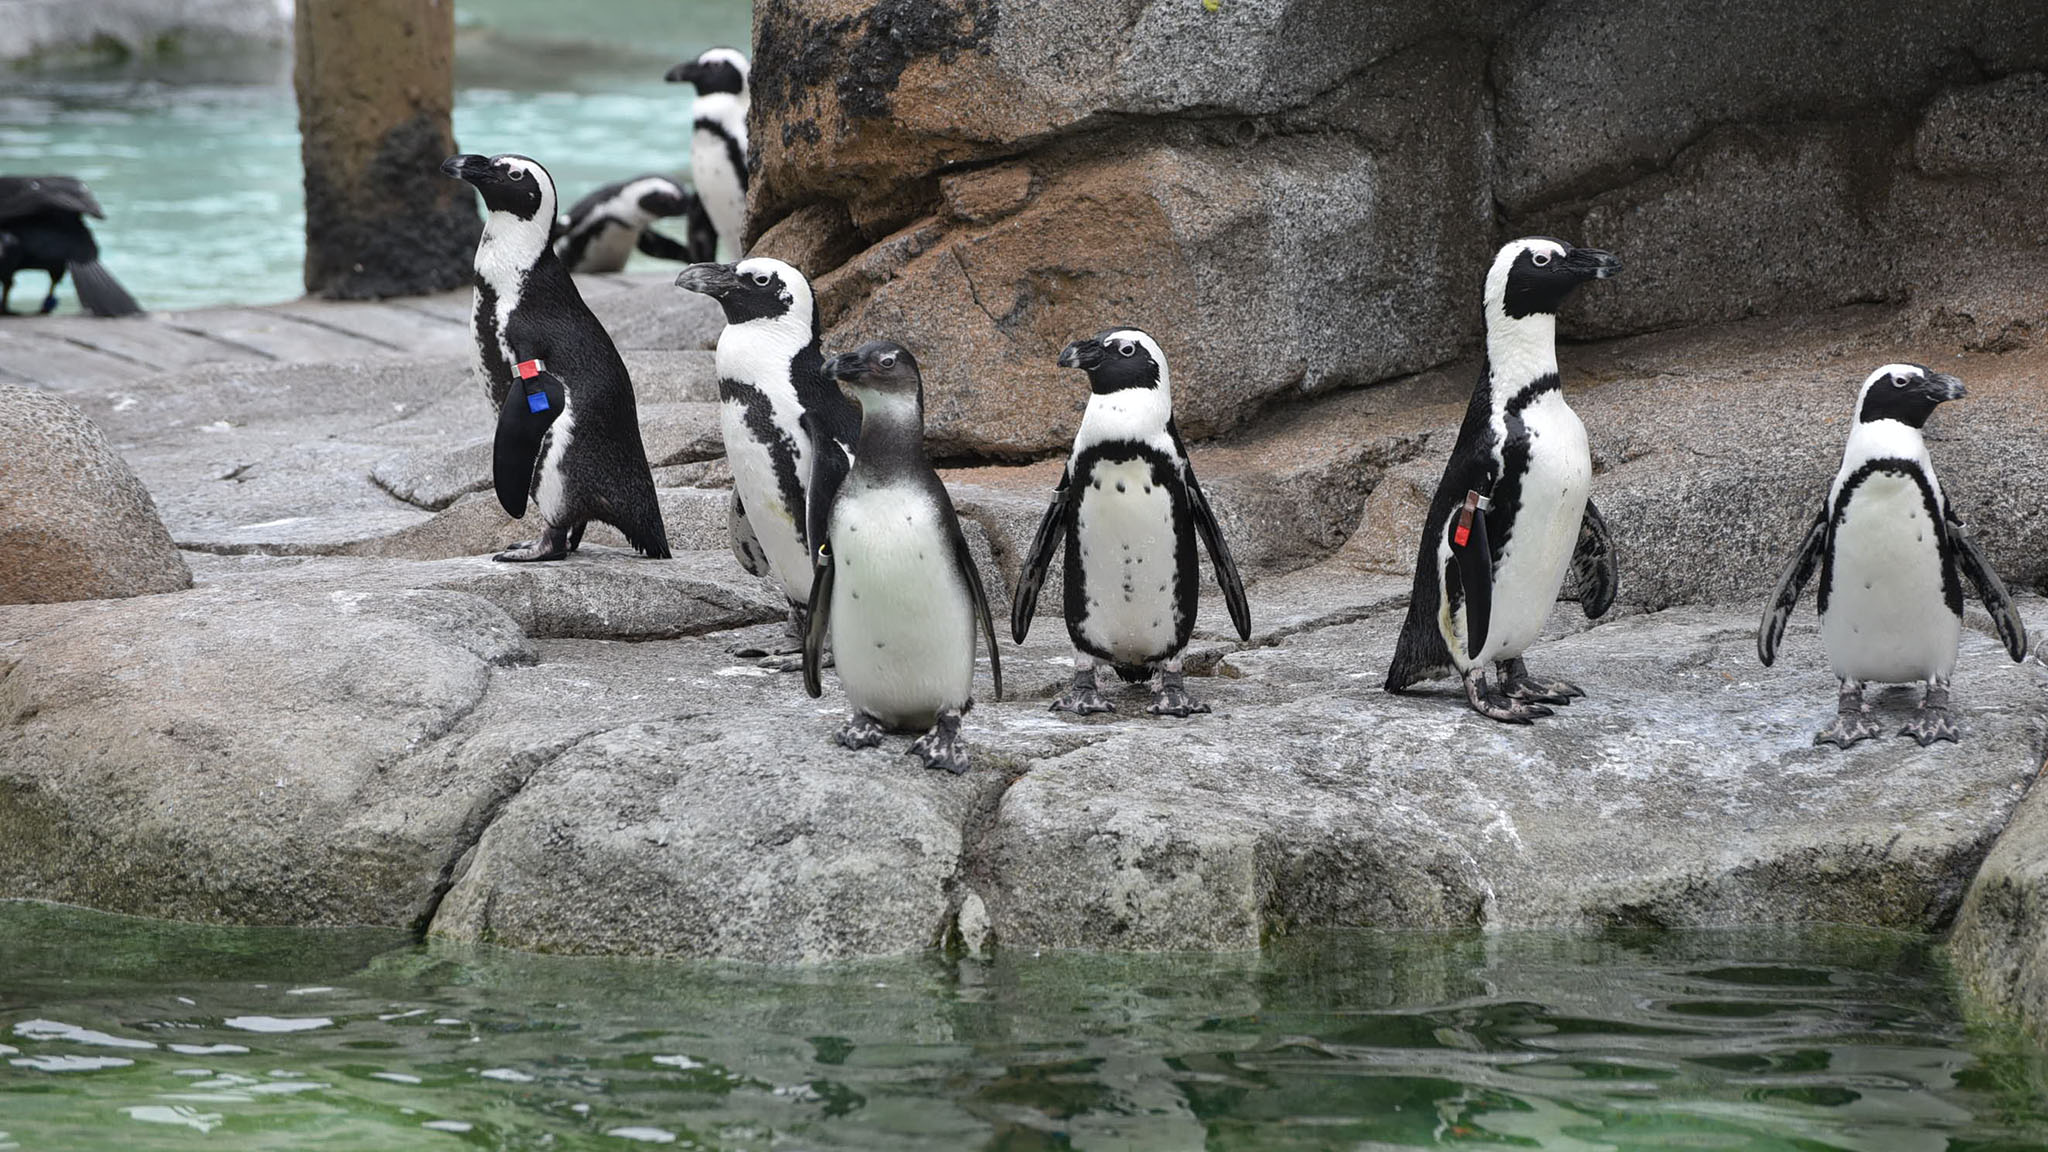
(785, 453)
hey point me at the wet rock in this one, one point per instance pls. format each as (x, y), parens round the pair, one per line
(2000, 943)
(75, 523)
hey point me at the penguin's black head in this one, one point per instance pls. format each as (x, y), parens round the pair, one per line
(754, 289)
(718, 70)
(512, 184)
(1117, 359)
(1535, 274)
(1907, 393)
(665, 198)
(876, 370)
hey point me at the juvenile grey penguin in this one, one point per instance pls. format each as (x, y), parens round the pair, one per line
(718, 139)
(896, 589)
(1511, 515)
(787, 429)
(614, 221)
(1892, 557)
(568, 430)
(1128, 510)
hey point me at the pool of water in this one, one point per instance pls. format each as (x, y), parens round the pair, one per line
(196, 159)
(119, 1033)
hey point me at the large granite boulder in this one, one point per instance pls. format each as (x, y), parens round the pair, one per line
(75, 523)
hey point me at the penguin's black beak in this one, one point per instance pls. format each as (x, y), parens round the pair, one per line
(1083, 354)
(467, 167)
(846, 366)
(713, 280)
(686, 72)
(1592, 263)
(1942, 387)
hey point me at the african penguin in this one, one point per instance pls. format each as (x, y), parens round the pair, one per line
(1510, 516)
(44, 220)
(608, 225)
(568, 431)
(788, 430)
(896, 589)
(1892, 557)
(1128, 510)
(718, 140)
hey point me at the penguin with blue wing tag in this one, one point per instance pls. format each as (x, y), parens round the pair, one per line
(568, 431)
(1512, 515)
(1892, 557)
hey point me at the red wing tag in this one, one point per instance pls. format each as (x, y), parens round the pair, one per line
(528, 369)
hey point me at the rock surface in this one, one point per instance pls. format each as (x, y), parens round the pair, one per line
(75, 523)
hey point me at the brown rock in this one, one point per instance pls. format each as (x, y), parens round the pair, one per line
(75, 523)
(986, 194)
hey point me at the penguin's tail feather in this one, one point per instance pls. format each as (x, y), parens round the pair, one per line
(650, 538)
(101, 294)
(1420, 653)
(1132, 673)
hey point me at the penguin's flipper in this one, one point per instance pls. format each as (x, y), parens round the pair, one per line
(2012, 632)
(523, 420)
(1797, 573)
(964, 560)
(819, 628)
(1045, 544)
(829, 467)
(702, 232)
(101, 294)
(746, 547)
(1594, 572)
(1212, 539)
(1472, 556)
(660, 247)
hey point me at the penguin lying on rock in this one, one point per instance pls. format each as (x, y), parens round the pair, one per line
(42, 227)
(610, 224)
(1510, 516)
(1892, 556)
(895, 587)
(718, 139)
(568, 430)
(1128, 510)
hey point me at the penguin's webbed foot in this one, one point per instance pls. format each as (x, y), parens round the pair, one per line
(1846, 730)
(1082, 700)
(1172, 698)
(861, 731)
(1517, 684)
(1495, 705)
(1929, 725)
(942, 747)
(536, 550)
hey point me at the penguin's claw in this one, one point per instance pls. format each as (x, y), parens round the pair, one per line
(1082, 701)
(1929, 725)
(532, 552)
(1174, 700)
(1495, 705)
(942, 747)
(861, 731)
(1846, 730)
(1529, 690)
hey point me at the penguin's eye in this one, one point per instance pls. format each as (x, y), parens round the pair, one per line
(1898, 381)
(761, 278)
(1540, 259)
(1126, 349)
(889, 361)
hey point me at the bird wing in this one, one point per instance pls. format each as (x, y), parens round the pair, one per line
(964, 560)
(1212, 539)
(523, 420)
(829, 465)
(746, 547)
(660, 247)
(820, 628)
(1772, 629)
(2012, 631)
(28, 195)
(1045, 544)
(1594, 572)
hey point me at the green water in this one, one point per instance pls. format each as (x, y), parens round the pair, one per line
(196, 157)
(139, 1035)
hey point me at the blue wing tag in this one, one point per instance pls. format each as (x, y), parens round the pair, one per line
(536, 401)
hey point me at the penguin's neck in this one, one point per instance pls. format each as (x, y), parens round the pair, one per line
(1520, 352)
(891, 428)
(759, 352)
(510, 247)
(727, 110)
(1138, 415)
(1881, 440)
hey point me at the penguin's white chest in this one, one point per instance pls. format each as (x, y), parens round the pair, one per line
(718, 186)
(1125, 532)
(1530, 568)
(777, 525)
(551, 489)
(902, 619)
(609, 249)
(1887, 620)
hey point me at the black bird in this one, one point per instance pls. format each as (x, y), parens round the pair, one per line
(43, 221)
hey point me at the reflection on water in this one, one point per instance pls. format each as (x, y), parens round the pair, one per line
(162, 1036)
(196, 159)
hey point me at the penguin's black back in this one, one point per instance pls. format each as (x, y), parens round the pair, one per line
(1421, 652)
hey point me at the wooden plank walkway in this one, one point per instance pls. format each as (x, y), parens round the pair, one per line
(70, 352)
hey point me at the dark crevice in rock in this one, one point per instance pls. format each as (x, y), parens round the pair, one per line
(352, 334)
(249, 351)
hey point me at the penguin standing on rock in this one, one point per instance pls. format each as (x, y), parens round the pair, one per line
(42, 219)
(1892, 556)
(608, 225)
(718, 139)
(1128, 510)
(1511, 515)
(789, 432)
(896, 588)
(568, 430)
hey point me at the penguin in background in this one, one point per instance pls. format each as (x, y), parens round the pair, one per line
(896, 589)
(1511, 515)
(568, 431)
(614, 221)
(789, 432)
(718, 139)
(1892, 555)
(1128, 510)
(43, 221)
